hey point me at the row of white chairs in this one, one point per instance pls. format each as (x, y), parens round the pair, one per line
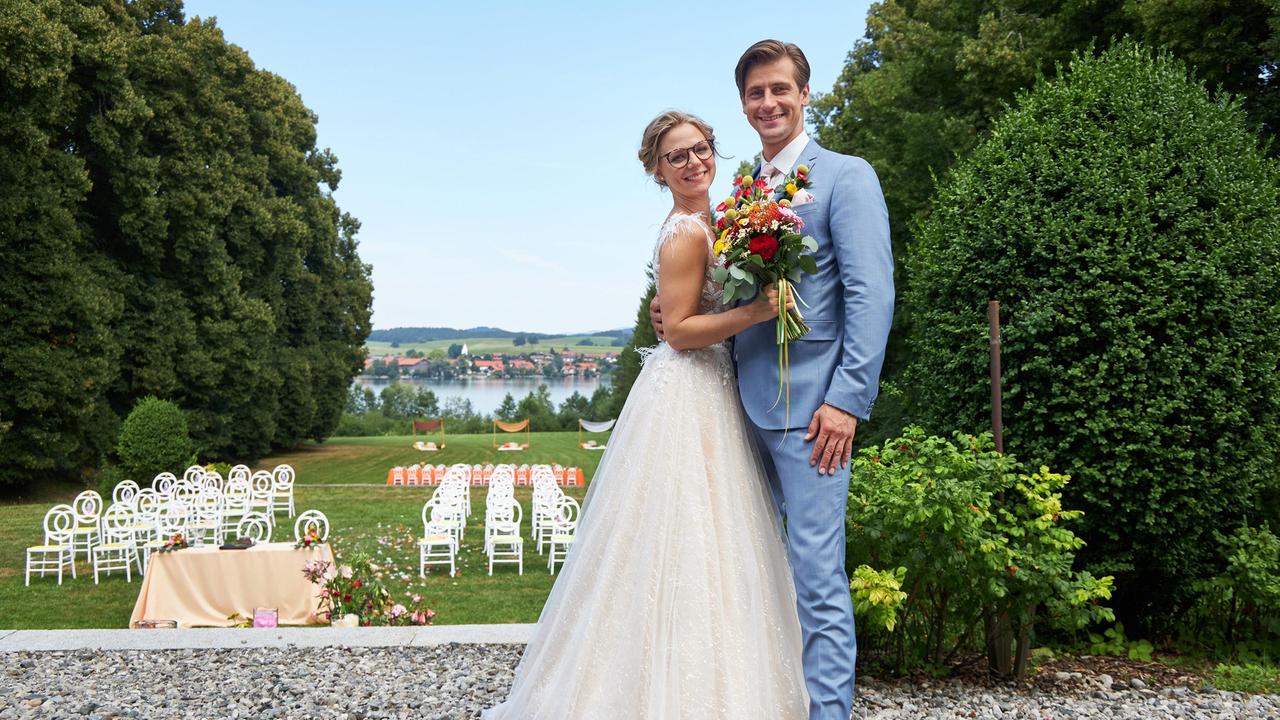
(277, 482)
(129, 531)
(444, 518)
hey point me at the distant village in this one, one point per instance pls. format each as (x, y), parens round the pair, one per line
(458, 361)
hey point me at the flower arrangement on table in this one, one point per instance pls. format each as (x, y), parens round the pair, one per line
(356, 589)
(309, 538)
(759, 243)
(176, 541)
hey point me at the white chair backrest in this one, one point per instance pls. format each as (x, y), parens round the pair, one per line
(262, 483)
(163, 483)
(565, 519)
(146, 504)
(237, 487)
(193, 473)
(185, 493)
(311, 520)
(124, 492)
(59, 524)
(211, 479)
(504, 510)
(88, 507)
(283, 476)
(238, 472)
(255, 526)
(117, 522)
(172, 518)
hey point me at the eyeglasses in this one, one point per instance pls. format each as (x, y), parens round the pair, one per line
(679, 157)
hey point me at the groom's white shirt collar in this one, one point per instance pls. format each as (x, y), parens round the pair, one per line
(786, 158)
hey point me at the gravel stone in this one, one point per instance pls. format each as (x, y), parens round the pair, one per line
(454, 681)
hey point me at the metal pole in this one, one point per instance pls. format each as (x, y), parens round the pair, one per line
(997, 421)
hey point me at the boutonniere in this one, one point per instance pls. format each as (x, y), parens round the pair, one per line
(793, 190)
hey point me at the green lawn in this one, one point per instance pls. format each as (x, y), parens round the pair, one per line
(483, 346)
(345, 478)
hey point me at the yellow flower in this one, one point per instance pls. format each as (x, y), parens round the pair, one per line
(784, 202)
(802, 169)
(719, 247)
(731, 214)
(791, 188)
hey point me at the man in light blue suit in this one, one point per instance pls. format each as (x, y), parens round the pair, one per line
(835, 369)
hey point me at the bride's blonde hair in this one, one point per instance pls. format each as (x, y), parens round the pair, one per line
(657, 128)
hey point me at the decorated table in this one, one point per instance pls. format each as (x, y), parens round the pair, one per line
(206, 586)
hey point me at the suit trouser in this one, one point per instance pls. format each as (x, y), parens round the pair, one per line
(813, 506)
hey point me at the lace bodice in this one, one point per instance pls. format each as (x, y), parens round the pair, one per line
(712, 292)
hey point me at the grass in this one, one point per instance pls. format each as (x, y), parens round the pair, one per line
(602, 344)
(346, 479)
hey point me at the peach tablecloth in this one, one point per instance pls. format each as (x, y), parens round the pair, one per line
(202, 586)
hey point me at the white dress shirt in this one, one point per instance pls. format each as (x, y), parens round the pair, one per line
(775, 169)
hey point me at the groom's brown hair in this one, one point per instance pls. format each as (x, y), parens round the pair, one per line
(766, 51)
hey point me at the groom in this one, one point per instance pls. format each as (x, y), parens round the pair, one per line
(835, 368)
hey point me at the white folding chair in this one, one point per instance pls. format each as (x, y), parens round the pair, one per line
(503, 542)
(437, 546)
(88, 530)
(564, 525)
(282, 489)
(262, 491)
(119, 549)
(58, 549)
(311, 520)
(193, 473)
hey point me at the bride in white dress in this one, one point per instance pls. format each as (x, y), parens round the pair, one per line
(676, 601)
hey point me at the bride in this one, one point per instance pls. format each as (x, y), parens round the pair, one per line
(676, 601)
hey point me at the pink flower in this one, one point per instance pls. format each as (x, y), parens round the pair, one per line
(397, 610)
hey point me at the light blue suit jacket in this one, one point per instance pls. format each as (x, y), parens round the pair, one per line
(850, 302)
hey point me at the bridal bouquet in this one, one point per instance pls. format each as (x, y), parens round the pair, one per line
(760, 243)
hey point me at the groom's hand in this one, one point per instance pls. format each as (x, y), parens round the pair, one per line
(834, 429)
(655, 316)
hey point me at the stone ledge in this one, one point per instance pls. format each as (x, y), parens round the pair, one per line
(243, 638)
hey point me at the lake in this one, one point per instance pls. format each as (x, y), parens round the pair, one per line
(486, 394)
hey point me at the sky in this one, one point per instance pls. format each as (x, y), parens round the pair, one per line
(488, 149)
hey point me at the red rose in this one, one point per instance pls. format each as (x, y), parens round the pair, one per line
(721, 207)
(356, 584)
(766, 246)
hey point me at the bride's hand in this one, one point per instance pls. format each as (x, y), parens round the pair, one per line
(765, 305)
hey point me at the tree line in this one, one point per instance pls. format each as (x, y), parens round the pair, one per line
(170, 230)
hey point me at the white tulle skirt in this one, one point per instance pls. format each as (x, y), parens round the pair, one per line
(676, 601)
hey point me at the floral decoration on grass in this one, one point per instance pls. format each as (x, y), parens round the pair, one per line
(357, 588)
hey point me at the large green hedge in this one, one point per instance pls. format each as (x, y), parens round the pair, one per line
(1129, 224)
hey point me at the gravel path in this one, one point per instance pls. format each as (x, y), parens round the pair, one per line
(457, 681)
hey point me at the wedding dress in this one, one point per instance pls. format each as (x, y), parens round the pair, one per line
(676, 601)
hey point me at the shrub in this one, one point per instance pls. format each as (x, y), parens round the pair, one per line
(986, 551)
(1128, 223)
(1239, 607)
(154, 439)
